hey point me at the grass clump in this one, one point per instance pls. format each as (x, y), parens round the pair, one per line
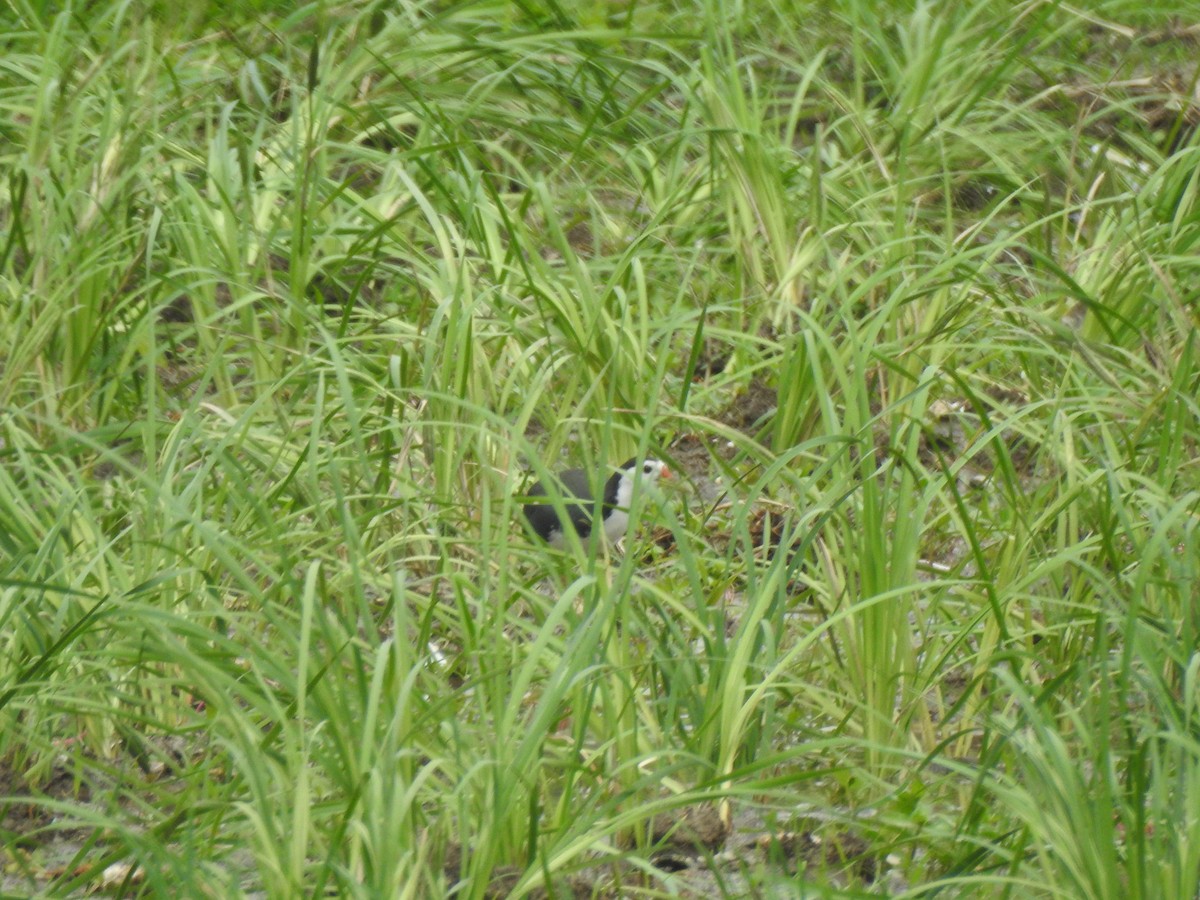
(296, 303)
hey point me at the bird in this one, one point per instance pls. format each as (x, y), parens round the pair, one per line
(575, 485)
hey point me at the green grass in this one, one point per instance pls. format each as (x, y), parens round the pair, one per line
(295, 303)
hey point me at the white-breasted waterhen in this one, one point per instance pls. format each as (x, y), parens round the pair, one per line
(576, 487)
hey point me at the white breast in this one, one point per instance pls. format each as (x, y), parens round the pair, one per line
(617, 522)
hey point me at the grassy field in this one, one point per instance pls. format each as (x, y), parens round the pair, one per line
(296, 302)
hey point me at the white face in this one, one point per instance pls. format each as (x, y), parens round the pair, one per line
(618, 519)
(653, 469)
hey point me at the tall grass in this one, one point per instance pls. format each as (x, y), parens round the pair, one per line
(297, 302)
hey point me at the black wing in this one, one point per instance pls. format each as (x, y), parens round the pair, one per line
(545, 519)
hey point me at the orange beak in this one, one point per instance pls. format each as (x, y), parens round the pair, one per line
(666, 473)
